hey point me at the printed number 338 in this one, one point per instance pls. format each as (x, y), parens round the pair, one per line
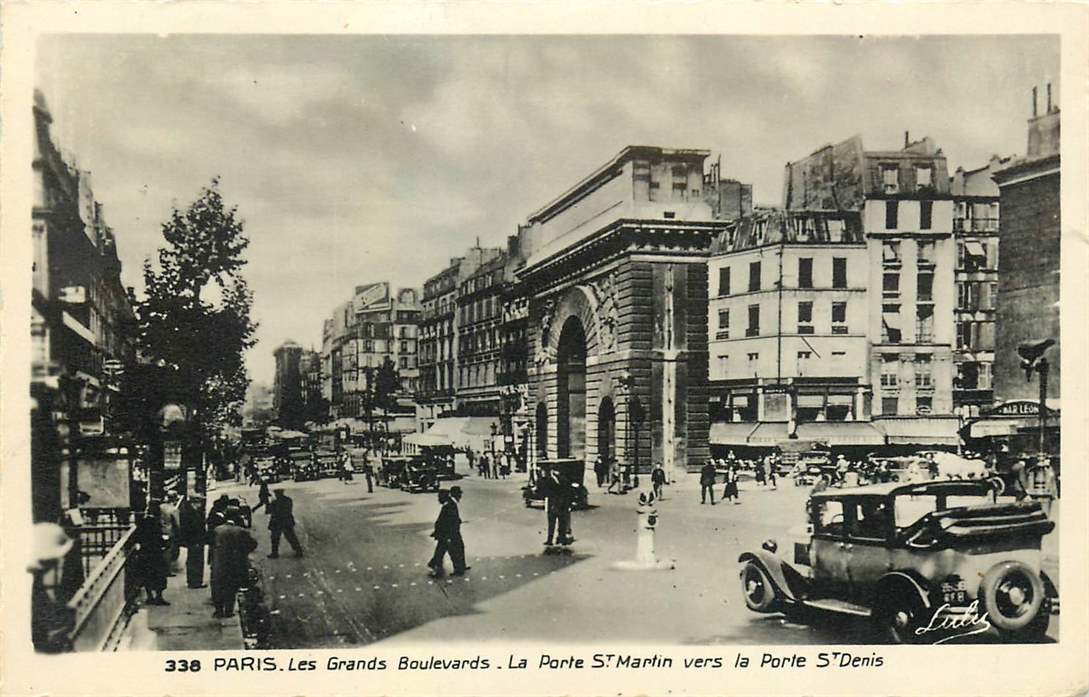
(182, 665)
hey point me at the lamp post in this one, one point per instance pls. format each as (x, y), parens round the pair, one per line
(1033, 360)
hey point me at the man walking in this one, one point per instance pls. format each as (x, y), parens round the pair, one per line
(601, 470)
(193, 535)
(448, 531)
(368, 474)
(231, 546)
(707, 482)
(557, 507)
(281, 521)
(657, 480)
(436, 563)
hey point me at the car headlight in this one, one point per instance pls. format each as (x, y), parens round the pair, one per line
(770, 546)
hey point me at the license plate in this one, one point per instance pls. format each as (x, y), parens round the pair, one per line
(955, 597)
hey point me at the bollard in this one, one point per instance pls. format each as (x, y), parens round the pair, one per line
(646, 524)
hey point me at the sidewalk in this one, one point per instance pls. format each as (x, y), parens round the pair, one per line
(185, 625)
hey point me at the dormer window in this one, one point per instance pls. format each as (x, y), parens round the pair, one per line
(924, 177)
(890, 179)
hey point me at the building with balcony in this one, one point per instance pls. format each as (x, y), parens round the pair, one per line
(975, 231)
(479, 338)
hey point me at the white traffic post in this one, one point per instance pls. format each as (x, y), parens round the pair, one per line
(646, 524)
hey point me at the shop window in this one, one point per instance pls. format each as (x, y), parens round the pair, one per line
(924, 405)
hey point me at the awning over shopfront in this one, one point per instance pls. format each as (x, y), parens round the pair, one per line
(724, 433)
(465, 431)
(768, 434)
(425, 440)
(919, 430)
(841, 433)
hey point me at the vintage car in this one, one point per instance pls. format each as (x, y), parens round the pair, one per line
(392, 472)
(422, 474)
(917, 559)
(304, 466)
(328, 463)
(266, 467)
(810, 465)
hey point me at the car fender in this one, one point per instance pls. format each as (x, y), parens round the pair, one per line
(908, 580)
(774, 566)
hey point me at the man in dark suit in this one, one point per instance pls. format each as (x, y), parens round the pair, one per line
(707, 482)
(436, 563)
(193, 535)
(231, 547)
(448, 531)
(558, 499)
(281, 521)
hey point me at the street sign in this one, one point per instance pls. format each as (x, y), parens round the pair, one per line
(1017, 407)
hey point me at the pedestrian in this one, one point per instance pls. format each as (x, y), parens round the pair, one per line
(483, 465)
(282, 522)
(821, 485)
(368, 474)
(707, 482)
(773, 469)
(217, 513)
(168, 521)
(151, 561)
(263, 497)
(557, 507)
(193, 535)
(504, 469)
(495, 465)
(437, 559)
(657, 480)
(730, 490)
(231, 547)
(601, 470)
(761, 473)
(614, 478)
(471, 456)
(448, 532)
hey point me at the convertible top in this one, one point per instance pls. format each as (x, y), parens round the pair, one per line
(955, 487)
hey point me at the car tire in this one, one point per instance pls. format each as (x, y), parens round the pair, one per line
(757, 588)
(897, 615)
(1014, 597)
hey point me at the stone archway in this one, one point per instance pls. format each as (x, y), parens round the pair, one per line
(571, 390)
(606, 430)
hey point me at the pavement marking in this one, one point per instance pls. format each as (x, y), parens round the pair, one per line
(377, 587)
(340, 590)
(369, 569)
(272, 578)
(535, 573)
(307, 574)
(501, 576)
(518, 575)
(282, 596)
(358, 588)
(301, 595)
(400, 566)
(430, 583)
(338, 571)
(484, 579)
(384, 566)
(393, 585)
(412, 584)
(289, 575)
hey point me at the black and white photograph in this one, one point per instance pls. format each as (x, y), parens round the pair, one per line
(411, 346)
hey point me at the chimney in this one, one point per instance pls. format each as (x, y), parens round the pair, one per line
(1049, 98)
(1034, 102)
(907, 139)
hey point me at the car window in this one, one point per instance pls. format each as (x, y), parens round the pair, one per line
(829, 517)
(870, 518)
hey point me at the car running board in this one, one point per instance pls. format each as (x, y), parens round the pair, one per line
(841, 606)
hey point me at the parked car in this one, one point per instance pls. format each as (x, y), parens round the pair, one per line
(304, 466)
(910, 556)
(422, 474)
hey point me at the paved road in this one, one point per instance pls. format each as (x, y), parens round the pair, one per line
(363, 578)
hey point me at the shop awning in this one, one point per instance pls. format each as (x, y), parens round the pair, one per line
(919, 431)
(727, 433)
(768, 435)
(425, 440)
(841, 433)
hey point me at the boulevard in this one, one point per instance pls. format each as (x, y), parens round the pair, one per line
(364, 579)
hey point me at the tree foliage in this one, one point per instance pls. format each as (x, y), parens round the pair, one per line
(195, 316)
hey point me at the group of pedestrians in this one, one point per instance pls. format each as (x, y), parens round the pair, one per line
(496, 466)
(709, 477)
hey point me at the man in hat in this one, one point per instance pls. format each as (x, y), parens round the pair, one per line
(281, 521)
(151, 561)
(436, 563)
(193, 535)
(231, 546)
(448, 531)
(557, 506)
(707, 482)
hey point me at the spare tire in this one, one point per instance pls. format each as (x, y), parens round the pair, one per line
(1012, 594)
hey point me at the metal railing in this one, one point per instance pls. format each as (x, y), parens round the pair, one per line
(100, 603)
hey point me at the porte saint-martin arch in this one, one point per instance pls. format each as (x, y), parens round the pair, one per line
(616, 277)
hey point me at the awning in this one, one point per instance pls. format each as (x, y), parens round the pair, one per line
(465, 431)
(974, 249)
(891, 319)
(919, 430)
(724, 433)
(841, 433)
(768, 434)
(425, 440)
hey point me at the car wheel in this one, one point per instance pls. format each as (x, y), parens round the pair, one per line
(1013, 596)
(759, 591)
(897, 617)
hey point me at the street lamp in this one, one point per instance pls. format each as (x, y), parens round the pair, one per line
(1032, 360)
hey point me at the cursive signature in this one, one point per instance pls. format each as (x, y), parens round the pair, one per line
(973, 621)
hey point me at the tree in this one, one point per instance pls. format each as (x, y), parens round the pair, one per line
(195, 316)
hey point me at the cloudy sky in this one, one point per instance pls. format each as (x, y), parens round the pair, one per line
(359, 159)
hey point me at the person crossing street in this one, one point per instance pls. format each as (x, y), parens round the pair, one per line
(657, 480)
(447, 534)
(707, 482)
(281, 521)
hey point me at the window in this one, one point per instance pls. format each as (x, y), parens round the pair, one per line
(754, 276)
(890, 371)
(975, 257)
(924, 324)
(805, 272)
(890, 178)
(891, 214)
(924, 405)
(923, 178)
(839, 272)
(964, 335)
(724, 281)
(926, 253)
(754, 321)
(753, 357)
(835, 230)
(723, 325)
(803, 361)
(805, 318)
(404, 361)
(890, 324)
(828, 518)
(890, 253)
(891, 284)
(889, 405)
(839, 318)
(925, 286)
(922, 371)
(926, 213)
